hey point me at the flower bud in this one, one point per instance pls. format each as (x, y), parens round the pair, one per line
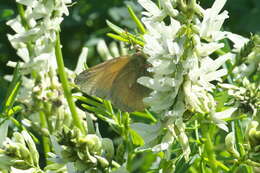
(230, 144)
(103, 162)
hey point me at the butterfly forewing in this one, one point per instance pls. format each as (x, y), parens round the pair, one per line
(98, 80)
(116, 80)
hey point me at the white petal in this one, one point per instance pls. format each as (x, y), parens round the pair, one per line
(14, 170)
(215, 75)
(24, 54)
(8, 77)
(167, 6)
(29, 3)
(218, 5)
(150, 7)
(11, 64)
(26, 36)
(82, 59)
(223, 127)
(225, 114)
(103, 50)
(115, 51)
(222, 59)
(238, 40)
(207, 49)
(16, 25)
(160, 101)
(211, 20)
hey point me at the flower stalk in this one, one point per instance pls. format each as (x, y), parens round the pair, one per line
(65, 85)
(209, 148)
(45, 139)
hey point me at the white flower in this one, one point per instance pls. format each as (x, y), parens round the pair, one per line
(212, 21)
(247, 95)
(238, 40)
(152, 11)
(35, 44)
(103, 50)
(16, 25)
(82, 59)
(181, 61)
(230, 142)
(29, 3)
(165, 49)
(183, 138)
(218, 117)
(168, 7)
(41, 32)
(205, 49)
(31, 170)
(197, 98)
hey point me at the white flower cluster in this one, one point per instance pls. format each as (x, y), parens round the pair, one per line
(179, 51)
(35, 40)
(180, 55)
(246, 95)
(20, 152)
(41, 21)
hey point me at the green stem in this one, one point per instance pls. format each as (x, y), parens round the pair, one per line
(22, 15)
(65, 86)
(234, 168)
(126, 136)
(45, 140)
(26, 26)
(17, 123)
(197, 135)
(252, 163)
(209, 148)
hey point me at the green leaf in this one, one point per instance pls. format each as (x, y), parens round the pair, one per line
(182, 166)
(5, 14)
(14, 110)
(96, 110)
(136, 138)
(221, 98)
(124, 34)
(120, 170)
(117, 37)
(116, 29)
(146, 115)
(239, 137)
(107, 145)
(90, 101)
(4, 130)
(148, 132)
(139, 24)
(12, 90)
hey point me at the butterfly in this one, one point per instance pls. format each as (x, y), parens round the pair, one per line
(116, 80)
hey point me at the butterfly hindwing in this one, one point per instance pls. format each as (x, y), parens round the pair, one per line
(127, 94)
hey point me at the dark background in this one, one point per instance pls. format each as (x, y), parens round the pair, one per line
(86, 24)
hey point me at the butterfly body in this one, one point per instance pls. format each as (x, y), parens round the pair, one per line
(116, 80)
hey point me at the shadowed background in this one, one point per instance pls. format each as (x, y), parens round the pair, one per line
(86, 25)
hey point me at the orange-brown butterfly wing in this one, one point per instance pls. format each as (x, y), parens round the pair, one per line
(127, 94)
(116, 80)
(98, 80)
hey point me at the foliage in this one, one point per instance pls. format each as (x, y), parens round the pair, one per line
(203, 113)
